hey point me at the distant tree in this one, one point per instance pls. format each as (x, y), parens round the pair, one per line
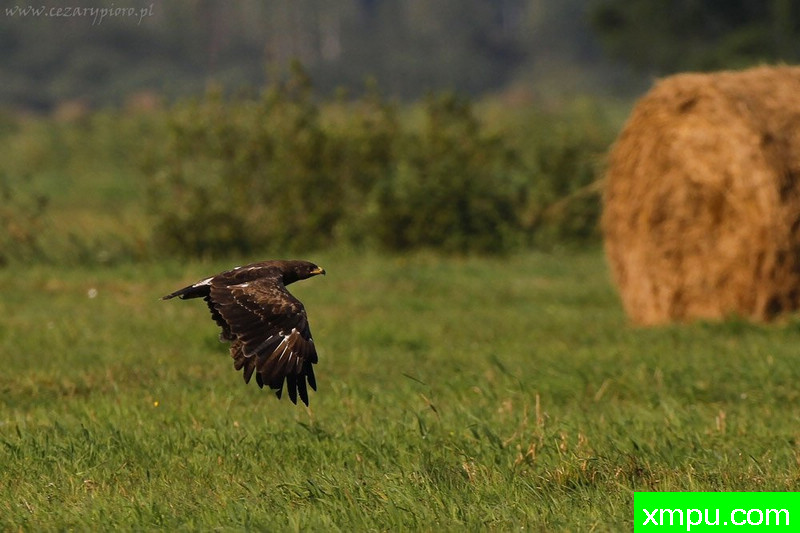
(665, 36)
(409, 47)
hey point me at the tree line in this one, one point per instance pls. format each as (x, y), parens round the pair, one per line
(408, 47)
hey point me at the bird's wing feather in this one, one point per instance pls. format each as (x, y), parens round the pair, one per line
(226, 334)
(270, 331)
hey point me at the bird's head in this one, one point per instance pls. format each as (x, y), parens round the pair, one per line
(298, 270)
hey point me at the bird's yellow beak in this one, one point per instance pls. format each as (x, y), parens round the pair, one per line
(318, 270)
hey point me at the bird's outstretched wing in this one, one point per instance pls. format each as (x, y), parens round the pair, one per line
(270, 335)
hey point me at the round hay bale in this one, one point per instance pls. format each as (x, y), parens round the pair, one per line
(701, 207)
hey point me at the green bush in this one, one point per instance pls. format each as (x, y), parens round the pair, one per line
(248, 174)
(565, 191)
(451, 187)
(286, 172)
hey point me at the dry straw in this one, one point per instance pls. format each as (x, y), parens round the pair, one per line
(702, 198)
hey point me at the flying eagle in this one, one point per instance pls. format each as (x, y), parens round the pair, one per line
(266, 325)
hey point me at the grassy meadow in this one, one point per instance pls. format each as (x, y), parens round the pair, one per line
(456, 391)
(502, 393)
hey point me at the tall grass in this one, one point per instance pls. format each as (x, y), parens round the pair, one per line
(453, 393)
(77, 188)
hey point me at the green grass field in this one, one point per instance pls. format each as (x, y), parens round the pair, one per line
(505, 393)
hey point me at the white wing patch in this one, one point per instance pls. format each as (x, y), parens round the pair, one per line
(206, 281)
(285, 344)
(282, 346)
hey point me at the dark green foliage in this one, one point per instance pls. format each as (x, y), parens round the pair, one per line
(248, 174)
(666, 37)
(566, 206)
(174, 48)
(452, 186)
(285, 172)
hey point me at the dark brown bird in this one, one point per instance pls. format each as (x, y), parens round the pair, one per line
(266, 325)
